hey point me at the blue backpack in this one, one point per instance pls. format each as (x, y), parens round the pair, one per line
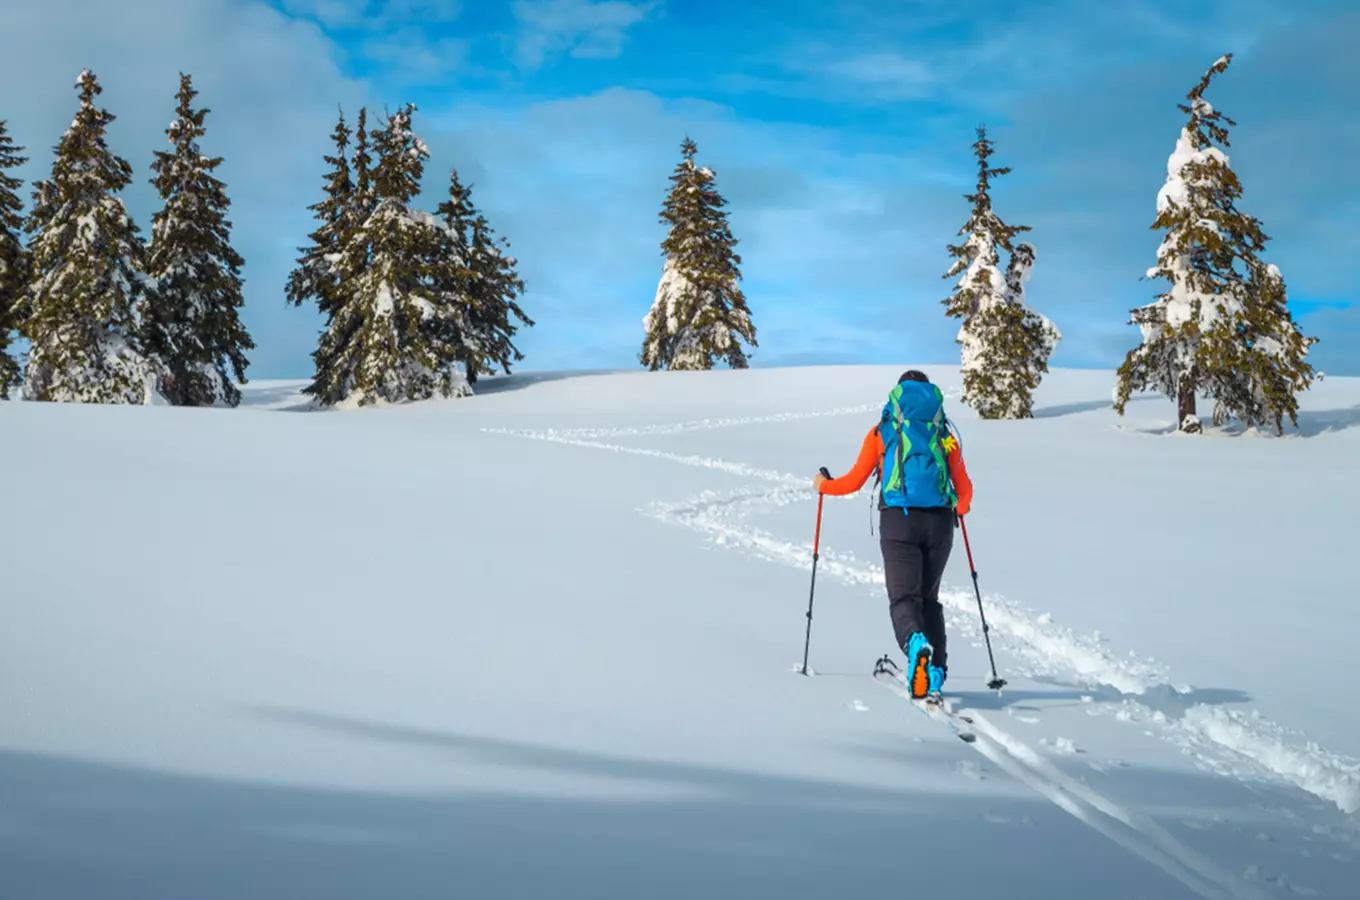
(915, 468)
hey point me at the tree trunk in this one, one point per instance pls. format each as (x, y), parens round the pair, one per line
(1186, 419)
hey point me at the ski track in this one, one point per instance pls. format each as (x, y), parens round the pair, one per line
(681, 427)
(1135, 833)
(1253, 744)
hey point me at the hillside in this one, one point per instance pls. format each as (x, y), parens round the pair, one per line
(542, 642)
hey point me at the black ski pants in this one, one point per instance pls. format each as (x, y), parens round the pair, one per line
(916, 545)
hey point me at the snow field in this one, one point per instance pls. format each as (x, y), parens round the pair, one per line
(412, 647)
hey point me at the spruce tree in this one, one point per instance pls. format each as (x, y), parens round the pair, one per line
(13, 261)
(88, 276)
(389, 342)
(1006, 345)
(699, 313)
(314, 278)
(496, 284)
(192, 325)
(348, 203)
(364, 200)
(482, 286)
(1223, 328)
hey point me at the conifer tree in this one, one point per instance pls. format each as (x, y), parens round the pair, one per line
(364, 200)
(87, 279)
(1006, 345)
(314, 277)
(496, 284)
(482, 286)
(389, 342)
(192, 325)
(348, 203)
(1223, 328)
(13, 261)
(699, 313)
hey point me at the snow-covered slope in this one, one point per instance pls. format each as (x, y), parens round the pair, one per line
(542, 642)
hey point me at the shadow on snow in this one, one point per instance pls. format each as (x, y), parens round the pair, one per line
(77, 828)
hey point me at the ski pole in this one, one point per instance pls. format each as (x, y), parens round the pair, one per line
(816, 545)
(996, 683)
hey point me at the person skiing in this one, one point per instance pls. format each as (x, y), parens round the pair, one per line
(925, 487)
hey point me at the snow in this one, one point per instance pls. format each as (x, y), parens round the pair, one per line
(383, 302)
(1177, 187)
(552, 650)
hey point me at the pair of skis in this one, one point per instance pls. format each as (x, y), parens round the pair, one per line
(888, 674)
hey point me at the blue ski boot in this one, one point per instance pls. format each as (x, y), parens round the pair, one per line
(937, 677)
(918, 651)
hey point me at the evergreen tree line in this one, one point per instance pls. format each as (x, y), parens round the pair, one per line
(111, 318)
(408, 297)
(416, 304)
(1223, 329)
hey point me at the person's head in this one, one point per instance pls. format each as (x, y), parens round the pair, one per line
(914, 375)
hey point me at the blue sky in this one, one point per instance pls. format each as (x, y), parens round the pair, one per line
(840, 134)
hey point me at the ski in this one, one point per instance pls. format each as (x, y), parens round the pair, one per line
(888, 674)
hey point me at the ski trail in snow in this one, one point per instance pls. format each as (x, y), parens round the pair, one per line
(1138, 834)
(706, 462)
(1252, 742)
(697, 424)
(1053, 781)
(1050, 648)
(1325, 774)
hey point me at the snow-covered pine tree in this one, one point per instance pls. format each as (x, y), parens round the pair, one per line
(388, 343)
(1006, 345)
(191, 324)
(482, 286)
(364, 200)
(496, 284)
(314, 277)
(13, 261)
(87, 279)
(347, 205)
(1223, 328)
(699, 313)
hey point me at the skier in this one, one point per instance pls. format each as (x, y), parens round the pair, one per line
(925, 487)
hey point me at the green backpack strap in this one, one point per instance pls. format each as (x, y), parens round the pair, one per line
(940, 429)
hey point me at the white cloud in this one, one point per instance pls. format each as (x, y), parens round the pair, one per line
(892, 74)
(594, 29)
(405, 40)
(272, 85)
(374, 14)
(409, 58)
(985, 55)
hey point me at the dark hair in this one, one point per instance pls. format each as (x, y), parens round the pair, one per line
(913, 375)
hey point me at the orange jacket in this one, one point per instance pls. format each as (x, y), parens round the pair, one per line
(870, 454)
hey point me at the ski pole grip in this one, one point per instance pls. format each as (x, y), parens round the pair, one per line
(825, 473)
